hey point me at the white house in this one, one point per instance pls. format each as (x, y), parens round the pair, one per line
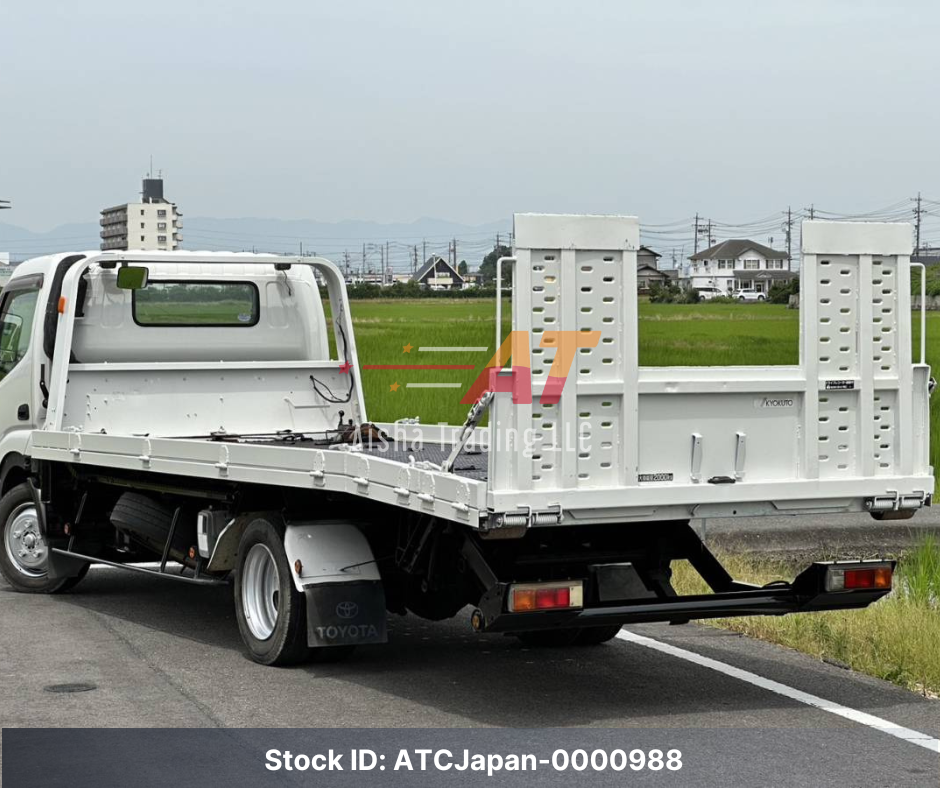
(738, 264)
(438, 274)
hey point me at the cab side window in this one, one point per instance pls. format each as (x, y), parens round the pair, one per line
(17, 311)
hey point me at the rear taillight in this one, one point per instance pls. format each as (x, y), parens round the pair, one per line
(531, 597)
(853, 578)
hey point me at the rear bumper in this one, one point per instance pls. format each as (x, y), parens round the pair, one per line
(805, 594)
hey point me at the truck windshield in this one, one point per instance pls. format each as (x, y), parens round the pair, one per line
(197, 304)
(16, 313)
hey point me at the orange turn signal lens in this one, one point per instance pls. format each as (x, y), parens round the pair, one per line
(62, 305)
(523, 600)
(883, 577)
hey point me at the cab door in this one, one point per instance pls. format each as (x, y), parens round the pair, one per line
(18, 323)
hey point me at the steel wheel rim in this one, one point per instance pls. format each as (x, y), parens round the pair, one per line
(24, 544)
(260, 589)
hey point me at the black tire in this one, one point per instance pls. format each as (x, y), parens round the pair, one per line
(742, 299)
(550, 638)
(287, 643)
(760, 298)
(24, 579)
(330, 654)
(594, 636)
(890, 514)
(147, 521)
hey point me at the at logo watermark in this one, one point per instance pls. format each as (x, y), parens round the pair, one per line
(518, 380)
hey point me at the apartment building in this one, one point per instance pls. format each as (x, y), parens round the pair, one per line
(154, 223)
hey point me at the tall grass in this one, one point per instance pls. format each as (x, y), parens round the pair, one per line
(897, 638)
(920, 576)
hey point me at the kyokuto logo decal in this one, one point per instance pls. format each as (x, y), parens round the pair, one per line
(775, 402)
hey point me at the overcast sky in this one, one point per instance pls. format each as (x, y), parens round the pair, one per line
(467, 111)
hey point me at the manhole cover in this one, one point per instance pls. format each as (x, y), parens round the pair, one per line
(73, 687)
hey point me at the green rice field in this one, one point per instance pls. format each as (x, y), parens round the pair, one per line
(670, 335)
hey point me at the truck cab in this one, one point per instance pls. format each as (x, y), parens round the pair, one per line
(22, 306)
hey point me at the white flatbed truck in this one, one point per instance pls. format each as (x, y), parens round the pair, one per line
(183, 414)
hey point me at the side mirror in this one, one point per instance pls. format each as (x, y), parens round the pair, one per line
(129, 278)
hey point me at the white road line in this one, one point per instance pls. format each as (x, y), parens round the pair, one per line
(885, 726)
(453, 349)
(434, 385)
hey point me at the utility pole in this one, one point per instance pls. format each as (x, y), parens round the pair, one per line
(346, 261)
(454, 264)
(301, 248)
(705, 230)
(362, 265)
(788, 229)
(812, 211)
(424, 251)
(918, 212)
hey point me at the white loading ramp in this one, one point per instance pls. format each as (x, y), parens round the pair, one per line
(844, 430)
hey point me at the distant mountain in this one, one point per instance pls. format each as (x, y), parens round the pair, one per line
(329, 239)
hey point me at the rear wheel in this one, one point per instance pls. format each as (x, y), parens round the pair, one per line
(271, 612)
(24, 557)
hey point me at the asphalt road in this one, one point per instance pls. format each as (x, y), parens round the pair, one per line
(812, 537)
(169, 655)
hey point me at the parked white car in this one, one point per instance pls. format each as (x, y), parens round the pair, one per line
(749, 295)
(708, 293)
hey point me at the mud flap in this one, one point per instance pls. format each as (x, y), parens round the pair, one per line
(345, 614)
(60, 566)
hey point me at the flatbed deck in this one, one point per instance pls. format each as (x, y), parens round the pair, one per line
(471, 464)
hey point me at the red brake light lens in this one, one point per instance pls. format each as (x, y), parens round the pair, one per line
(859, 578)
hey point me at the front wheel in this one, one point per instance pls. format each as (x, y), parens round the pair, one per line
(24, 558)
(760, 298)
